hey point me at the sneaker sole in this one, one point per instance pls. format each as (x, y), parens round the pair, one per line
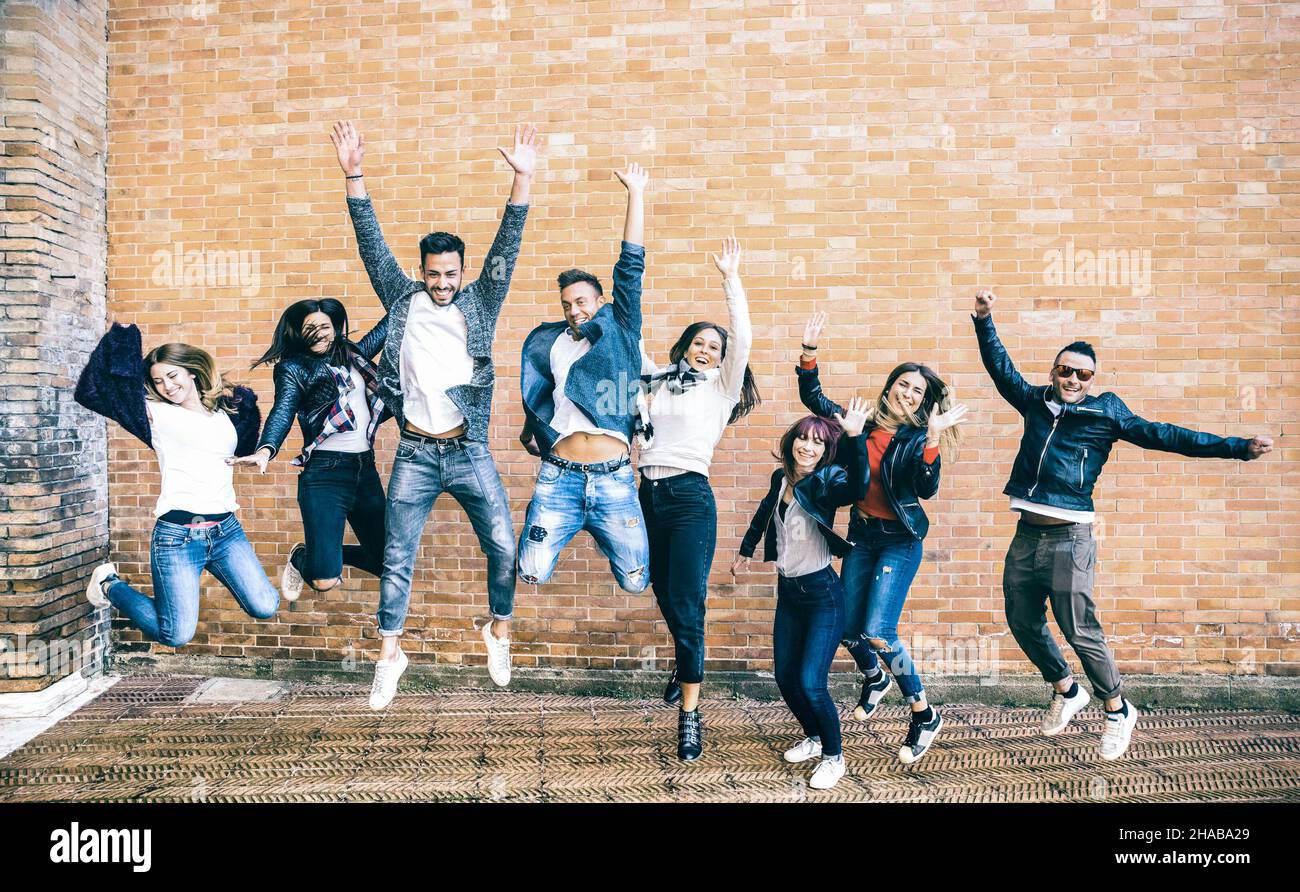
(800, 761)
(1127, 743)
(487, 630)
(285, 587)
(910, 759)
(96, 585)
(861, 714)
(1052, 732)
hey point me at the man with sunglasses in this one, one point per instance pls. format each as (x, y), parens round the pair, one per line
(1067, 439)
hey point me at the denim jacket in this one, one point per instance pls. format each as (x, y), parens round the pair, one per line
(605, 382)
(821, 494)
(1061, 456)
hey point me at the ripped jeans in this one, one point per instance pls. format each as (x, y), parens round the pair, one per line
(586, 497)
(877, 575)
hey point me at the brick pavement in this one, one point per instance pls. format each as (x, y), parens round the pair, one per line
(152, 738)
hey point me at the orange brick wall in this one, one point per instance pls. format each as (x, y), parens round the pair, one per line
(880, 161)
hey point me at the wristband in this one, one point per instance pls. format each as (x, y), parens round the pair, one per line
(356, 177)
(808, 349)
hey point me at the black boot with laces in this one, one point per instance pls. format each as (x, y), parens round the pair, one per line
(690, 735)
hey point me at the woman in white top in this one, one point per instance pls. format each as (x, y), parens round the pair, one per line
(706, 387)
(177, 404)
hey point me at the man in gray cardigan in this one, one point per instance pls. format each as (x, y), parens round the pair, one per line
(436, 375)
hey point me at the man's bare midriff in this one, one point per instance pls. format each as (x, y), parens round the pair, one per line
(457, 431)
(1042, 520)
(588, 448)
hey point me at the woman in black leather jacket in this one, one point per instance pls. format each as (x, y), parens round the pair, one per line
(908, 423)
(821, 471)
(328, 382)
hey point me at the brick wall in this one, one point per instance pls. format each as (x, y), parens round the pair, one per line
(880, 161)
(53, 467)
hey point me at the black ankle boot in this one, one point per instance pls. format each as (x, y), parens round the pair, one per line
(690, 735)
(673, 690)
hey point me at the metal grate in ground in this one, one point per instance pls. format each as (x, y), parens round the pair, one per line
(145, 740)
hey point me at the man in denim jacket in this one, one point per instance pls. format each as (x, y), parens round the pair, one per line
(1068, 438)
(580, 380)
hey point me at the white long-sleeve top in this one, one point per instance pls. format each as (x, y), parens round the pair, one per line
(688, 425)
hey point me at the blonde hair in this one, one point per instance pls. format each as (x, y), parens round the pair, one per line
(214, 391)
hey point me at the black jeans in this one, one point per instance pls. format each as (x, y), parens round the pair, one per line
(806, 634)
(333, 487)
(682, 525)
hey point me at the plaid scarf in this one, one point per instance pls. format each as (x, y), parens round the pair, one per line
(341, 417)
(678, 378)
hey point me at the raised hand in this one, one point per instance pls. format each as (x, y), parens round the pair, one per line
(812, 332)
(729, 263)
(855, 419)
(349, 145)
(940, 422)
(1258, 446)
(984, 302)
(258, 458)
(740, 563)
(523, 158)
(634, 177)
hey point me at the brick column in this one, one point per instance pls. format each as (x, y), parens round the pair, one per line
(53, 247)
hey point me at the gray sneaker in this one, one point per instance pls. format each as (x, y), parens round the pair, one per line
(1061, 710)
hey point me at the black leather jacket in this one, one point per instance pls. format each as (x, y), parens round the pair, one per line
(905, 475)
(820, 494)
(305, 387)
(1061, 456)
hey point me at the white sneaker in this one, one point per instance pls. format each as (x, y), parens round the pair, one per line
(1063, 709)
(498, 656)
(1118, 732)
(291, 579)
(95, 589)
(387, 674)
(828, 773)
(804, 750)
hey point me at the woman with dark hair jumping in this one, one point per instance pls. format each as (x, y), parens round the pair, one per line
(329, 383)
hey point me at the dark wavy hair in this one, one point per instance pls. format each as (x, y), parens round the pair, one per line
(749, 397)
(288, 340)
(827, 430)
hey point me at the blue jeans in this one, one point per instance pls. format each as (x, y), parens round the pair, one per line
(877, 576)
(178, 555)
(585, 497)
(805, 636)
(682, 524)
(334, 487)
(422, 471)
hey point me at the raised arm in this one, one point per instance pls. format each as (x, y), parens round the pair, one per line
(1171, 438)
(630, 268)
(373, 341)
(1014, 389)
(112, 383)
(810, 385)
(851, 456)
(386, 276)
(741, 338)
(493, 283)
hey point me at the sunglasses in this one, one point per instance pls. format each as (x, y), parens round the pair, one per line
(1065, 371)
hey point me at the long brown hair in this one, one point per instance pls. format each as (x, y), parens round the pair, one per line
(937, 394)
(749, 397)
(214, 391)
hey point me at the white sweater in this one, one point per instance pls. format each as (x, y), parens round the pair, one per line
(688, 425)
